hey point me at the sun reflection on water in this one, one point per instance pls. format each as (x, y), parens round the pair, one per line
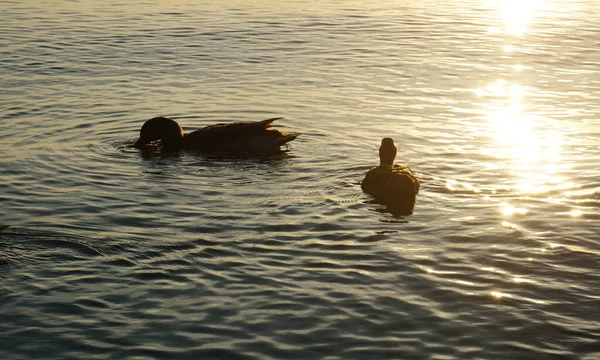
(576, 213)
(499, 295)
(509, 210)
(529, 148)
(516, 15)
(529, 144)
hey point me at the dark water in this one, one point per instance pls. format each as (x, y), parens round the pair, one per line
(112, 254)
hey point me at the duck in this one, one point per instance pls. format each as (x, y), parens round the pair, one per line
(390, 184)
(255, 137)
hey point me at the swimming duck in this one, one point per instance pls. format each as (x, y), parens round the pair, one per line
(393, 185)
(249, 137)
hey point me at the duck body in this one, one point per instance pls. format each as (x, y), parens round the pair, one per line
(241, 137)
(390, 184)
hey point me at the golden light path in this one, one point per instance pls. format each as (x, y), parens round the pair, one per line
(528, 144)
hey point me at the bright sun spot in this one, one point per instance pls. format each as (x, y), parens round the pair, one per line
(576, 213)
(509, 210)
(516, 15)
(499, 295)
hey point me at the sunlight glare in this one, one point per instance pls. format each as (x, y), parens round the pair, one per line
(509, 210)
(499, 295)
(575, 213)
(527, 143)
(516, 15)
(493, 269)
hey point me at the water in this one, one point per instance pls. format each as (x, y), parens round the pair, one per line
(110, 254)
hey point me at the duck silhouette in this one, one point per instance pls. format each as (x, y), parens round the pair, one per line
(390, 184)
(240, 137)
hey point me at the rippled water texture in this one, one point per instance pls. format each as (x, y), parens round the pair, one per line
(115, 254)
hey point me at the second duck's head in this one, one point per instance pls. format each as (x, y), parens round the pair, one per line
(387, 152)
(161, 128)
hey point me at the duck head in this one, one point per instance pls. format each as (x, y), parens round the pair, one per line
(387, 152)
(161, 128)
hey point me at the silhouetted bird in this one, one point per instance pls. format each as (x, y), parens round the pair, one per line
(393, 185)
(241, 137)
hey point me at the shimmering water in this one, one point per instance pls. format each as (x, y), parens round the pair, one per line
(110, 254)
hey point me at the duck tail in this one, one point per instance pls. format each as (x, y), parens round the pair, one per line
(285, 139)
(267, 123)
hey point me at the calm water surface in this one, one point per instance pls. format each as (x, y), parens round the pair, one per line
(112, 254)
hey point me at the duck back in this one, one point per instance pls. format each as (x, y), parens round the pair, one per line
(391, 184)
(238, 137)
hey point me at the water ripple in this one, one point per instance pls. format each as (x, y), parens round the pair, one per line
(116, 254)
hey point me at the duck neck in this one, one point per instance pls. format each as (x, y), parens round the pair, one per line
(387, 154)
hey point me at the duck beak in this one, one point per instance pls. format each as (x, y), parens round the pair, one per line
(139, 144)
